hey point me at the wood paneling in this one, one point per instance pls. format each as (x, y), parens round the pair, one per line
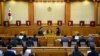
(0, 13)
(1, 30)
(65, 30)
(31, 12)
(96, 4)
(52, 51)
(50, 40)
(67, 12)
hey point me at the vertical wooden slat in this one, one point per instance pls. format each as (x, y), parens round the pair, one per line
(96, 12)
(31, 12)
(99, 13)
(67, 12)
(2, 12)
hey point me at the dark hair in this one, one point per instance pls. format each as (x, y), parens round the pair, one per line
(64, 35)
(25, 35)
(9, 47)
(9, 39)
(31, 54)
(57, 28)
(24, 49)
(34, 35)
(15, 35)
(92, 47)
(21, 34)
(0, 38)
(29, 38)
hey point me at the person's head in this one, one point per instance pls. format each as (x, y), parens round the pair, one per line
(24, 49)
(92, 47)
(90, 35)
(78, 34)
(9, 47)
(9, 39)
(15, 35)
(64, 35)
(0, 38)
(29, 38)
(34, 35)
(24, 35)
(73, 36)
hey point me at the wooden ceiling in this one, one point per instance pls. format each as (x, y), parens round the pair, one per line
(50, 0)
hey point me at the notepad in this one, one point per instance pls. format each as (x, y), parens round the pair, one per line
(76, 37)
(20, 37)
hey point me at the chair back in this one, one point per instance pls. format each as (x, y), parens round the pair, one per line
(35, 43)
(65, 44)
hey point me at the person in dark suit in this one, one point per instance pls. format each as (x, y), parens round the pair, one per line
(24, 37)
(14, 40)
(57, 31)
(92, 52)
(76, 52)
(49, 31)
(9, 52)
(64, 39)
(82, 39)
(90, 41)
(26, 51)
(1, 42)
(29, 43)
(34, 38)
(9, 43)
(40, 31)
(73, 39)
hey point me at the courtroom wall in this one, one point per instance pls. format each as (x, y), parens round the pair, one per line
(65, 30)
(0, 12)
(82, 11)
(45, 11)
(99, 13)
(18, 9)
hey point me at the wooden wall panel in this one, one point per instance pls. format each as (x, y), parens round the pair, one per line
(1, 30)
(67, 12)
(0, 12)
(85, 31)
(92, 30)
(31, 12)
(52, 51)
(65, 30)
(96, 4)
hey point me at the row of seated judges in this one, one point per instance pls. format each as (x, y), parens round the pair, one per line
(41, 32)
(24, 40)
(28, 52)
(49, 22)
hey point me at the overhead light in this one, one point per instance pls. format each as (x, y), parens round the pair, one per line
(86, 2)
